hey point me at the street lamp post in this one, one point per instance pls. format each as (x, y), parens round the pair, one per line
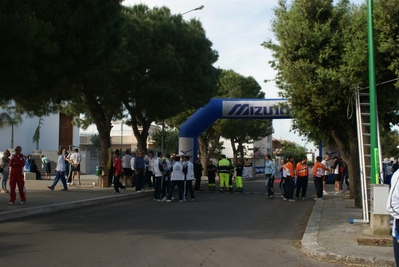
(195, 9)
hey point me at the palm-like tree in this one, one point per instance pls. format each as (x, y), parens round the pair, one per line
(36, 135)
(10, 118)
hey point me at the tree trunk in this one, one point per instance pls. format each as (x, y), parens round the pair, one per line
(206, 150)
(351, 158)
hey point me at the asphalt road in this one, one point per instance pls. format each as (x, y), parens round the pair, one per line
(218, 229)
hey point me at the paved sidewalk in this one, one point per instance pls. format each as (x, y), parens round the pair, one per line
(328, 237)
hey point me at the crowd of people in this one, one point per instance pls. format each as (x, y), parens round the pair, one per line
(163, 174)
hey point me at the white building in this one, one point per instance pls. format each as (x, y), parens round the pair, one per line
(56, 132)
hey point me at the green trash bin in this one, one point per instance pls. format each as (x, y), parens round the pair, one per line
(98, 170)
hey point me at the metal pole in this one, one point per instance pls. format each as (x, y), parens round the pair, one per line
(373, 97)
(163, 135)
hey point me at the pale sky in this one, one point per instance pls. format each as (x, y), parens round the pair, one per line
(237, 28)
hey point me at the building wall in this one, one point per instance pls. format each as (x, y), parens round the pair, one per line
(23, 134)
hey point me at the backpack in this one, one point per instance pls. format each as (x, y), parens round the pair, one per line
(341, 169)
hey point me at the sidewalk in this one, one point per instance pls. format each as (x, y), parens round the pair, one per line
(328, 237)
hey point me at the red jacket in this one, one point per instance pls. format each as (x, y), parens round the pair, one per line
(118, 166)
(17, 164)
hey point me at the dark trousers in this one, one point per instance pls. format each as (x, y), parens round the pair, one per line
(139, 179)
(164, 186)
(302, 184)
(157, 187)
(197, 181)
(148, 176)
(117, 183)
(188, 188)
(289, 188)
(179, 184)
(318, 184)
(269, 184)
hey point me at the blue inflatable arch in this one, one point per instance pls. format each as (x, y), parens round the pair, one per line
(228, 108)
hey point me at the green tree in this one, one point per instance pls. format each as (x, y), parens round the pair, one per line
(170, 68)
(36, 135)
(95, 141)
(240, 131)
(321, 56)
(12, 117)
(53, 44)
(170, 137)
(293, 149)
(389, 144)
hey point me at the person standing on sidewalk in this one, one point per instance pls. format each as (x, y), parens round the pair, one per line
(325, 175)
(318, 172)
(337, 175)
(198, 174)
(302, 172)
(17, 163)
(75, 162)
(4, 167)
(270, 171)
(60, 171)
(393, 210)
(118, 173)
(157, 169)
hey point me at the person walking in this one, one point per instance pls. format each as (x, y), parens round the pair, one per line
(118, 173)
(318, 173)
(302, 172)
(60, 172)
(4, 170)
(17, 163)
(270, 171)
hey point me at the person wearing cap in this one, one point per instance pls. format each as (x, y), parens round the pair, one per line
(302, 172)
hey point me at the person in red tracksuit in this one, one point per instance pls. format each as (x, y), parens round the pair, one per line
(17, 163)
(118, 173)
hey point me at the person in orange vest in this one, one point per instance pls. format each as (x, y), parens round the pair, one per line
(302, 172)
(289, 180)
(318, 173)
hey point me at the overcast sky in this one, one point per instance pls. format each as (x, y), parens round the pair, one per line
(237, 28)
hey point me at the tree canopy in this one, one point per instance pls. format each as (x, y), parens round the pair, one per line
(321, 57)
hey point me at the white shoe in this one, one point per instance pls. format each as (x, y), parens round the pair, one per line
(291, 200)
(316, 198)
(325, 193)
